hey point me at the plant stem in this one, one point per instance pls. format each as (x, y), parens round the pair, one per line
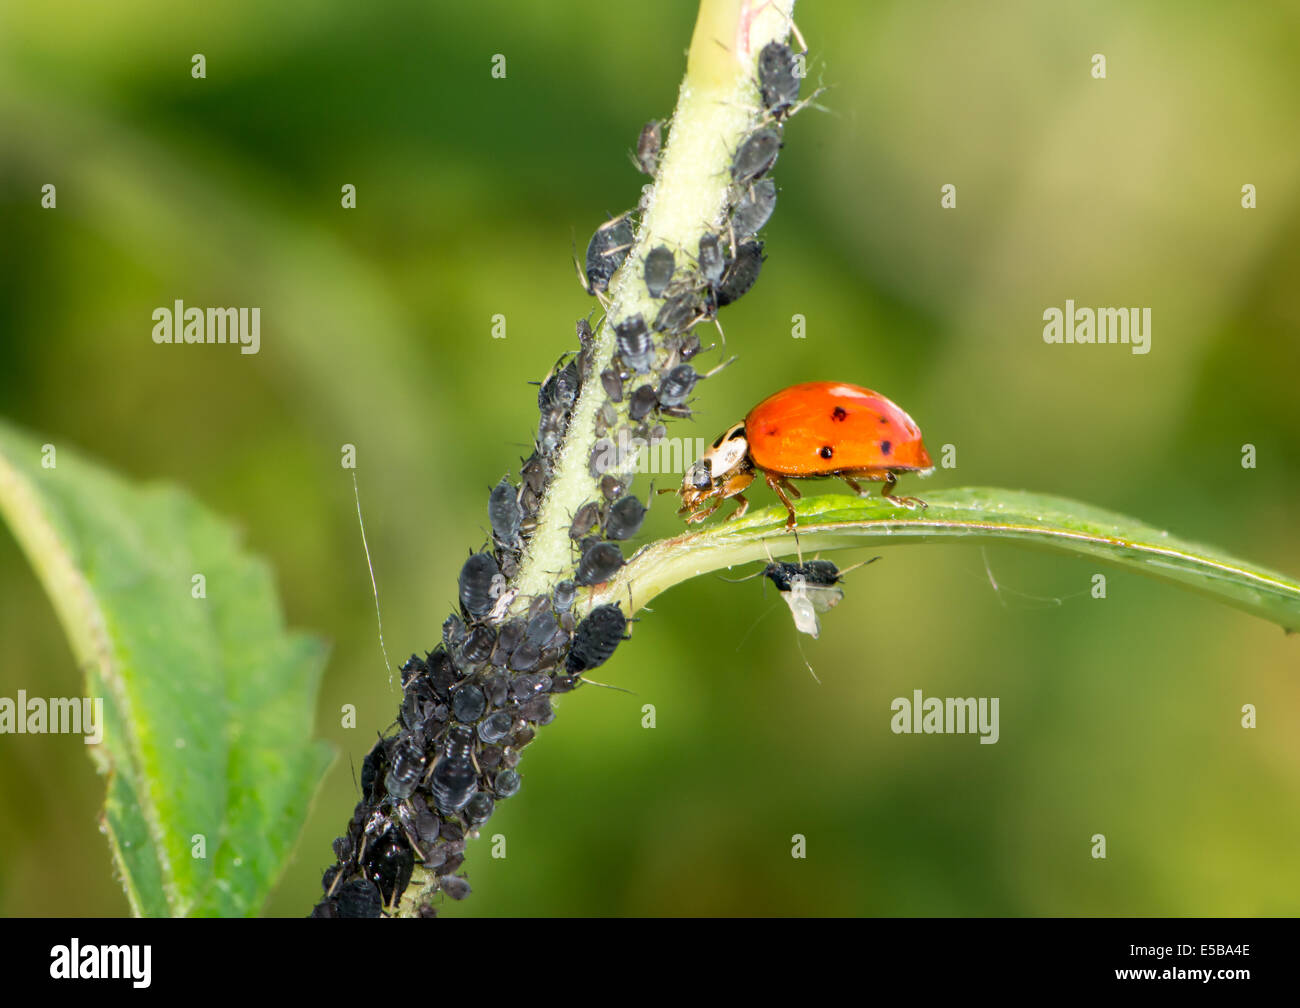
(717, 107)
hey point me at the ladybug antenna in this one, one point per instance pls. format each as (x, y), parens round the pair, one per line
(356, 491)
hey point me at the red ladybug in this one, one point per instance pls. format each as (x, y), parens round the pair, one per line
(814, 429)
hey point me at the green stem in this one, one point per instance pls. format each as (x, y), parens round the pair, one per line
(717, 107)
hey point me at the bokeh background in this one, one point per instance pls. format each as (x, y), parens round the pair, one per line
(1118, 716)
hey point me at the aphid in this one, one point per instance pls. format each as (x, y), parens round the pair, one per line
(756, 154)
(442, 673)
(564, 592)
(646, 157)
(537, 710)
(710, 261)
(560, 389)
(599, 563)
(818, 429)
(754, 208)
(454, 886)
(525, 687)
(606, 252)
(412, 667)
(468, 704)
(496, 685)
(602, 457)
(418, 703)
(407, 766)
(741, 274)
(612, 382)
(373, 766)
(642, 402)
(612, 487)
(477, 646)
(455, 777)
(534, 473)
(584, 520)
(595, 640)
(778, 78)
(388, 864)
(635, 346)
(679, 312)
(586, 348)
(503, 512)
(359, 898)
(525, 657)
(625, 518)
(677, 385)
(542, 627)
(659, 267)
(507, 783)
(480, 808)
(476, 584)
(495, 727)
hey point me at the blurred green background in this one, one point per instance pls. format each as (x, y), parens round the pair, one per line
(1118, 716)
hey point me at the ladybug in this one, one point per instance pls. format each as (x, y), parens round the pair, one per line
(816, 429)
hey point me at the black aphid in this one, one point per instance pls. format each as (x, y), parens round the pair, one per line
(814, 572)
(477, 591)
(710, 260)
(468, 704)
(679, 312)
(564, 592)
(455, 778)
(635, 345)
(388, 864)
(495, 727)
(359, 898)
(742, 274)
(477, 646)
(454, 886)
(585, 520)
(612, 487)
(503, 513)
(606, 251)
(595, 640)
(480, 808)
(612, 382)
(677, 385)
(642, 402)
(778, 78)
(756, 154)
(659, 265)
(407, 766)
(754, 208)
(599, 563)
(625, 518)
(507, 783)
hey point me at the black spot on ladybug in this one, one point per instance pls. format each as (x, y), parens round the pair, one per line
(883, 419)
(839, 413)
(772, 432)
(886, 447)
(826, 452)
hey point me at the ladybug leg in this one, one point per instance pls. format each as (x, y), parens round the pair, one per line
(854, 485)
(780, 485)
(740, 511)
(887, 492)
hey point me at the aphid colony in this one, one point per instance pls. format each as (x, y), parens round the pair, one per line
(475, 701)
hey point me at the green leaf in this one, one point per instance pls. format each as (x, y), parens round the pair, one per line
(973, 515)
(208, 702)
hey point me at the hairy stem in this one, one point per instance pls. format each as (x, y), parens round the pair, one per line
(717, 107)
